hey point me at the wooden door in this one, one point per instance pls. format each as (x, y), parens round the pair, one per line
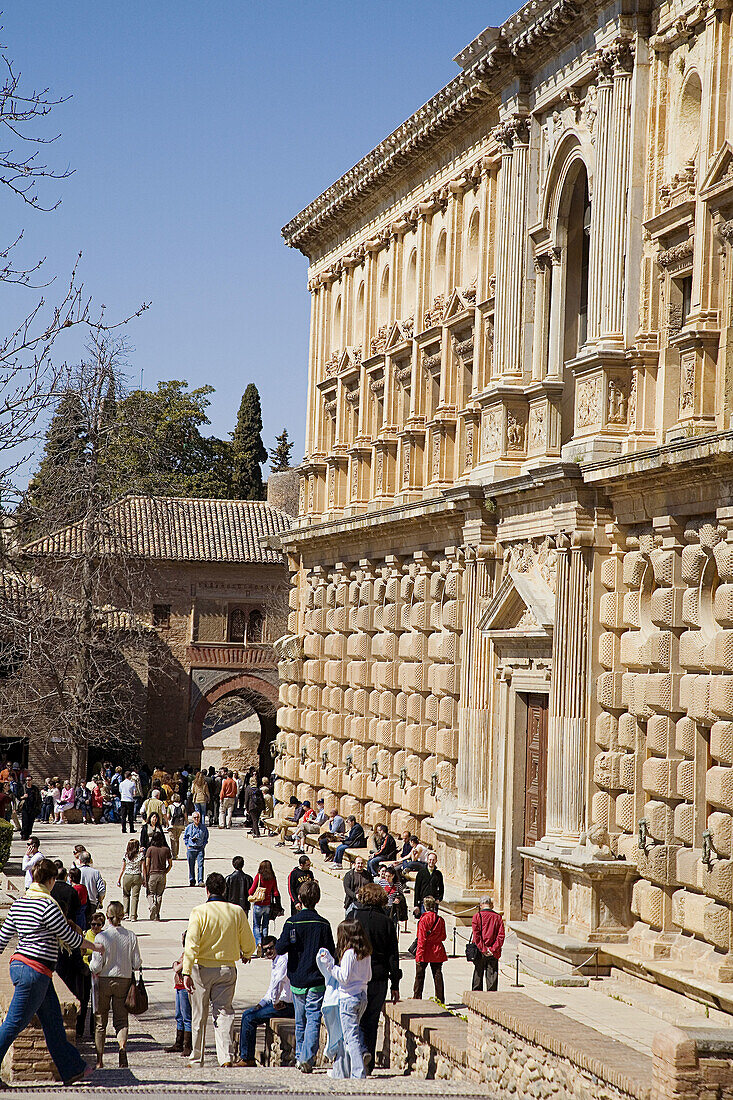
(535, 789)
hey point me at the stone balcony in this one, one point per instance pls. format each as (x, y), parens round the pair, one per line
(231, 655)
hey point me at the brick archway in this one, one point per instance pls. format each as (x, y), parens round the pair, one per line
(240, 681)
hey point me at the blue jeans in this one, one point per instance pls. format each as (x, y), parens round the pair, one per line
(183, 1011)
(308, 1023)
(35, 996)
(195, 864)
(201, 807)
(349, 1062)
(251, 1017)
(374, 863)
(260, 921)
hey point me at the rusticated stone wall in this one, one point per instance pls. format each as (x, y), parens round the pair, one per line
(369, 706)
(665, 772)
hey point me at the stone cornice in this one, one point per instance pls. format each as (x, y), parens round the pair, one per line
(494, 58)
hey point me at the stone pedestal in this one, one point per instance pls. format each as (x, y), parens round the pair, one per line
(580, 901)
(465, 848)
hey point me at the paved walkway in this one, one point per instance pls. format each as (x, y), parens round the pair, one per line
(152, 1071)
(160, 945)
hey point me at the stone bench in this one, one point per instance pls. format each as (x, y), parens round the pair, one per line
(427, 1040)
(280, 1043)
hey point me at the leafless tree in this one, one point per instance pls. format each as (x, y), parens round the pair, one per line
(76, 635)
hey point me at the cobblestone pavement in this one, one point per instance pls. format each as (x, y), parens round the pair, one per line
(152, 1072)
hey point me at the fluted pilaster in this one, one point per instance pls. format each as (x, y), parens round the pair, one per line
(568, 720)
(474, 718)
(602, 133)
(618, 185)
(510, 268)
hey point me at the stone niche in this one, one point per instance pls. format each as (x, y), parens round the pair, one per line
(582, 898)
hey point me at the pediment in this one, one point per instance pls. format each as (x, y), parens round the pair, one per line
(720, 174)
(523, 607)
(461, 299)
(350, 359)
(399, 333)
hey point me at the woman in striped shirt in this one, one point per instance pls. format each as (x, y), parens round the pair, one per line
(38, 923)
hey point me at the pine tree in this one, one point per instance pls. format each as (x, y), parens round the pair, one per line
(248, 450)
(280, 453)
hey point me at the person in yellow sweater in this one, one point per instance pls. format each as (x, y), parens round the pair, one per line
(218, 936)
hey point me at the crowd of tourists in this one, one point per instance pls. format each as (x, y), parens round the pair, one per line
(342, 980)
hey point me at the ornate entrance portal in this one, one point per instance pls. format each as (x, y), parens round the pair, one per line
(535, 789)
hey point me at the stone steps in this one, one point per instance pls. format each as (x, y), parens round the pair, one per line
(656, 1000)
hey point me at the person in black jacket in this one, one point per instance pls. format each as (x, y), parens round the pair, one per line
(239, 884)
(302, 937)
(29, 805)
(385, 848)
(358, 876)
(382, 932)
(297, 877)
(355, 838)
(428, 884)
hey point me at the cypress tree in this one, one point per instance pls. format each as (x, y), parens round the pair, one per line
(248, 450)
(51, 490)
(280, 453)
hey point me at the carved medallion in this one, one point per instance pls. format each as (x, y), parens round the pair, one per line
(469, 446)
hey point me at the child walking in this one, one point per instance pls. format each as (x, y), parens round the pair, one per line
(352, 976)
(182, 1044)
(430, 949)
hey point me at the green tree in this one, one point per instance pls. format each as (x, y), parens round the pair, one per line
(58, 471)
(280, 453)
(248, 450)
(159, 449)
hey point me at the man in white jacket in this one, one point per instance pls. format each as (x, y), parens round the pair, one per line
(278, 1001)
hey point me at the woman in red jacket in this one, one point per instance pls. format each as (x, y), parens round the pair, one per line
(263, 893)
(487, 932)
(430, 939)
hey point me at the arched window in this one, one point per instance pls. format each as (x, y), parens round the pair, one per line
(384, 298)
(471, 252)
(410, 285)
(255, 625)
(336, 327)
(439, 266)
(237, 625)
(687, 132)
(358, 334)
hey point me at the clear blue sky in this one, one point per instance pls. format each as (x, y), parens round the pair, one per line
(195, 131)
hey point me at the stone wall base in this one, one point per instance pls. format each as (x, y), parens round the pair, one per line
(519, 1047)
(28, 1060)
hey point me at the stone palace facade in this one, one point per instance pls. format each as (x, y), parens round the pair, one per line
(512, 603)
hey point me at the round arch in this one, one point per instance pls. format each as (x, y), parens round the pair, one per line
(262, 696)
(571, 154)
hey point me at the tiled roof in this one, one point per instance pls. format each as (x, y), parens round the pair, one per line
(179, 529)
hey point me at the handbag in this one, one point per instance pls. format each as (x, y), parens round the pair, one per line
(472, 951)
(258, 898)
(136, 1001)
(276, 909)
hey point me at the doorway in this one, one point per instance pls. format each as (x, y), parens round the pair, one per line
(535, 789)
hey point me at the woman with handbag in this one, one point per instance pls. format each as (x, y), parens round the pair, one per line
(484, 948)
(114, 968)
(263, 893)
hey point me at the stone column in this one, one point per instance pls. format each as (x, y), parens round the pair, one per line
(617, 182)
(602, 140)
(568, 718)
(510, 267)
(474, 714)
